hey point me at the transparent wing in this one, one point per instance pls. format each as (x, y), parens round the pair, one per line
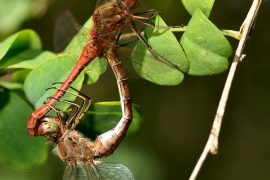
(102, 2)
(70, 38)
(81, 172)
(70, 173)
(66, 27)
(113, 171)
(99, 171)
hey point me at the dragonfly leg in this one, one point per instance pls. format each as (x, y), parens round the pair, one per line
(152, 12)
(74, 110)
(133, 28)
(78, 111)
(144, 20)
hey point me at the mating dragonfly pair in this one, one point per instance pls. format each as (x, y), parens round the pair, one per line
(78, 152)
(109, 20)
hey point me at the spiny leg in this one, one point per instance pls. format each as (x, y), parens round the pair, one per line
(145, 22)
(75, 108)
(134, 29)
(80, 95)
(156, 27)
(78, 111)
(152, 12)
(82, 112)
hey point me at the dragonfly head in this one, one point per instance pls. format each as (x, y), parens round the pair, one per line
(48, 127)
(132, 4)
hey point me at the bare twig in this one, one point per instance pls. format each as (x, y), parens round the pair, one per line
(212, 143)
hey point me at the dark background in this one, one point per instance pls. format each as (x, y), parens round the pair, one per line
(178, 119)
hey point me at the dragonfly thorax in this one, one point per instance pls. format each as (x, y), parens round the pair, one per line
(109, 22)
(132, 4)
(74, 149)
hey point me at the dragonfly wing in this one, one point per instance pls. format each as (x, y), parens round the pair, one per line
(102, 2)
(113, 171)
(79, 172)
(66, 27)
(70, 173)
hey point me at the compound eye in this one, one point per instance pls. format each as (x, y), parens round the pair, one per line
(48, 129)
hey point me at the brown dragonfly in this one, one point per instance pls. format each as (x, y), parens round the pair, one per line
(79, 153)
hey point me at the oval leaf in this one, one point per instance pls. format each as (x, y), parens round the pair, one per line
(97, 67)
(18, 149)
(204, 5)
(154, 68)
(26, 59)
(104, 116)
(11, 85)
(205, 46)
(19, 42)
(20, 75)
(53, 70)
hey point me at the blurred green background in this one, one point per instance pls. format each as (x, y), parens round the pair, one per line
(178, 119)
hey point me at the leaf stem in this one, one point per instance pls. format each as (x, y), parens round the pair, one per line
(178, 29)
(231, 33)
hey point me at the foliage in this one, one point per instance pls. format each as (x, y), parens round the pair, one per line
(202, 50)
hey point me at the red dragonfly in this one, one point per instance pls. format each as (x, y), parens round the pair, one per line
(109, 20)
(78, 152)
(102, 35)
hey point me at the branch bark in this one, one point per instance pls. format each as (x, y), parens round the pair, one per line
(212, 143)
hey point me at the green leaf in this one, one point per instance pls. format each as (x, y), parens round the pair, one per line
(205, 46)
(10, 85)
(18, 149)
(104, 116)
(95, 69)
(156, 69)
(204, 5)
(26, 59)
(20, 75)
(14, 11)
(19, 42)
(53, 70)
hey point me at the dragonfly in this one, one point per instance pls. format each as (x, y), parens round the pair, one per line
(109, 20)
(107, 142)
(77, 152)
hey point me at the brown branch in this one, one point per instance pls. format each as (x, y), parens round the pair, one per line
(212, 143)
